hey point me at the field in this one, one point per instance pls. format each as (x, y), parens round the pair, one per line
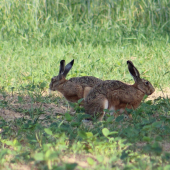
(41, 130)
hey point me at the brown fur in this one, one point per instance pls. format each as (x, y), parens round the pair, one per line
(74, 88)
(118, 94)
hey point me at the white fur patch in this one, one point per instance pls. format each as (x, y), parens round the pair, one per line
(106, 104)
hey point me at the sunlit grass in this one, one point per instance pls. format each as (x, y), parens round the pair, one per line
(38, 64)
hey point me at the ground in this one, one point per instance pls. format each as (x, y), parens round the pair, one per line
(14, 110)
(11, 112)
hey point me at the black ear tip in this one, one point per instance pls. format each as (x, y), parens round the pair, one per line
(62, 61)
(72, 62)
(130, 62)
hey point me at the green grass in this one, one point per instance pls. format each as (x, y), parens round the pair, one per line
(101, 36)
(22, 66)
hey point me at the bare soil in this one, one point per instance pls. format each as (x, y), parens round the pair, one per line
(12, 111)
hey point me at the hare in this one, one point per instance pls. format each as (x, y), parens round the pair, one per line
(74, 88)
(116, 96)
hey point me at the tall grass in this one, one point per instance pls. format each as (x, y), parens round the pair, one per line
(86, 21)
(99, 34)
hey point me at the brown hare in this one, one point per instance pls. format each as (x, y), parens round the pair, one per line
(74, 88)
(116, 96)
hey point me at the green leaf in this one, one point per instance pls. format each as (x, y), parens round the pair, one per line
(147, 127)
(89, 134)
(27, 77)
(3, 152)
(75, 124)
(51, 155)
(90, 161)
(158, 138)
(68, 117)
(80, 100)
(110, 119)
(124, 155)
(100, 158)
(145, 97)
(157, 149)
(9, 143)
(73, 105)
(20, 99)
(48, 131)
(146, 139)
(105, 132)
(43, 85)
(107, 110)
(39, 156)
(82, 134)
(112, 133)
(157, 124)
(71, 166)
(119, 118)
(149, 102)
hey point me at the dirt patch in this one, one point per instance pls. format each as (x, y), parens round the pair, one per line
(80, 159)
(18, 167)
(14, 109)
(165, 93)
(9, 114)
(11, 108)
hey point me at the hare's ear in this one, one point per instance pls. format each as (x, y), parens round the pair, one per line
(68, 68)
(133, 71)
(62, 67)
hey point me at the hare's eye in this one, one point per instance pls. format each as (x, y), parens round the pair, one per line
(146, 83)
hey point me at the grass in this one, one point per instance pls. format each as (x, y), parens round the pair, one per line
(100, 36)
(20, 67)
(40, 131)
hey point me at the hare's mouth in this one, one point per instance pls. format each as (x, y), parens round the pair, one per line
(150, 93)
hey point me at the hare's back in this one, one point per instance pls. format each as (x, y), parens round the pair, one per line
(86, 81)
(105, 87)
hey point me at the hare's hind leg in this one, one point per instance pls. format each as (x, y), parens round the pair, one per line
(105, 104)
(96, 107)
